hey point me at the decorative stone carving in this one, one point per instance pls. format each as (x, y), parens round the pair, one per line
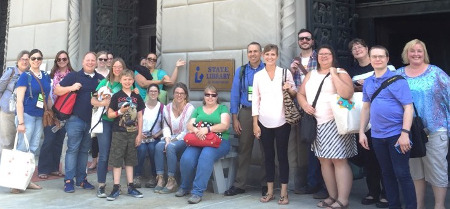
(288, 33)
(74, 33)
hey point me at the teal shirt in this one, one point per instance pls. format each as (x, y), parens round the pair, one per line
(213, 118)
(158, 74)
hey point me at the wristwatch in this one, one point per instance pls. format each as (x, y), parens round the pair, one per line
(406, 131)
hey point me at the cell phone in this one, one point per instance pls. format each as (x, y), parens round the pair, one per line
(397, 147)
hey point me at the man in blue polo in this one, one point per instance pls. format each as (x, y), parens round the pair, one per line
(77, 126)
(391, 114)
(240, 101)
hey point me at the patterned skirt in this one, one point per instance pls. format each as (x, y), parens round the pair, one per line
(332, 145)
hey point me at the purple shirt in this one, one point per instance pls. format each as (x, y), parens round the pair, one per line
(386, 110)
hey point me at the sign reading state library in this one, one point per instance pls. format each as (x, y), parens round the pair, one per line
(218, 73)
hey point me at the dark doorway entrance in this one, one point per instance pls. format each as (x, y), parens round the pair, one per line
(433, 29)
(147, 27)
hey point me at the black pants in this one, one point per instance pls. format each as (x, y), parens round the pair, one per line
(94, 147)
(368, 160)
(268, 136)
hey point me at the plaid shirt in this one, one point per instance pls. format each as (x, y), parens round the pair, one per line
(312, 65)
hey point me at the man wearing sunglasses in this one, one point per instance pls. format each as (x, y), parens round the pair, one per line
(241, 110)
(300, 66)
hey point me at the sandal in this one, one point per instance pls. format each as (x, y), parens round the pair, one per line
(33, 186)
(43, 176)
(268, 197)
(341, 206)
(283, 200)
(56, 173)
(324, 203)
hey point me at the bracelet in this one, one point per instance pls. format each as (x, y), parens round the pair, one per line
(20, 124)
(406, 131)
(117, 114)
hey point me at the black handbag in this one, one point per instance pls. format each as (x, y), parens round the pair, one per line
(308, 123)
(418, 137)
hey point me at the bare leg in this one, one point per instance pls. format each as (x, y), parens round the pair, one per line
(129, 172)
(439, 197)
(420, 186)
(116, 174)
(344, 185)
(328, 174)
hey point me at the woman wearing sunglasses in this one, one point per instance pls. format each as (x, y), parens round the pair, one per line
(30, 106)
(176, 116)
(156, 76)
(196, 164)
(49, 158)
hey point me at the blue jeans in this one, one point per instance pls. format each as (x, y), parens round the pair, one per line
(78, 144)
(104, 144)
(142, 151)
(314, 173)
(49, 157)
(198, 162)
(33, 130)
(171, 154)
(395, 170)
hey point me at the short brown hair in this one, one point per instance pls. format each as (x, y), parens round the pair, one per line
(269, 47)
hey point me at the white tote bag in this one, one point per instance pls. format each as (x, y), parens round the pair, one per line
(96, 120)
(17, 167)
(347, 113)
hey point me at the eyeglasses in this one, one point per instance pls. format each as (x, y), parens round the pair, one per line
(377, 57)
(304, 38)
(179, 93)
(102, 59)
(324, 54)
(64, 59)
(356, 48)
(36, 58)
(151, 59)
(210, 95)
(153, 91)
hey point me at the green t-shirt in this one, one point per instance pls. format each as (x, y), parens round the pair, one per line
(114, 87)
(158, 74)
(213, 118)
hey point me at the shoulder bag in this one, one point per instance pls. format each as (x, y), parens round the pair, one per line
(64, 104)
(48, 119)
(291, 112)
(211, 138)
(308, 123)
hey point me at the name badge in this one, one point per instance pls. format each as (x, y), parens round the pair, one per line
(40, 101)
(250, 93)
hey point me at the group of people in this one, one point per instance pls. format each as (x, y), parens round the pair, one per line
(138, 121)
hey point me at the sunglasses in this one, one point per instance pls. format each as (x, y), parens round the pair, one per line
(304, 38)
(102, 59)
(151, 59)
(61, 59)
(36, 58)
(210, 95)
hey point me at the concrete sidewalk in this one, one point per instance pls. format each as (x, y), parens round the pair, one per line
(53, 196)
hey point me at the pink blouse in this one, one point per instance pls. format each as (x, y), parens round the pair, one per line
(267, 99)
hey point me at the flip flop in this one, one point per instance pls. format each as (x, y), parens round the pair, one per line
(56, 173)
(43, 176)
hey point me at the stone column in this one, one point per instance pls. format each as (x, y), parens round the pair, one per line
(158, 31)
(74, 33)
(6, 36)
(288, 43)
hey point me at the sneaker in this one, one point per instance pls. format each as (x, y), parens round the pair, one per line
(114, 193)
(85, 185)
(101, 192)
(137, 181)
(68, 186)
(181, 192)
(134, 192)
(194, 199)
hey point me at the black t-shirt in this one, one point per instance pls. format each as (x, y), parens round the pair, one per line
(128, 121)
(358, 70)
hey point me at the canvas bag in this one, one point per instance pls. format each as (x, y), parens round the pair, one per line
(347, 113)
(17, 167)
(97, 112)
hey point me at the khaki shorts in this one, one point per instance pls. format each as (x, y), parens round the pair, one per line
(432, 167)
(123, 149)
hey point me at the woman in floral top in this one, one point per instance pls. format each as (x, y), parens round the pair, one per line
(53, 141)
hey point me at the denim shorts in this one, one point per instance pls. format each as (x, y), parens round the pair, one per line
(123, 149)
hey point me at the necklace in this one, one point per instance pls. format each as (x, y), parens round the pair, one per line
(37, 75)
